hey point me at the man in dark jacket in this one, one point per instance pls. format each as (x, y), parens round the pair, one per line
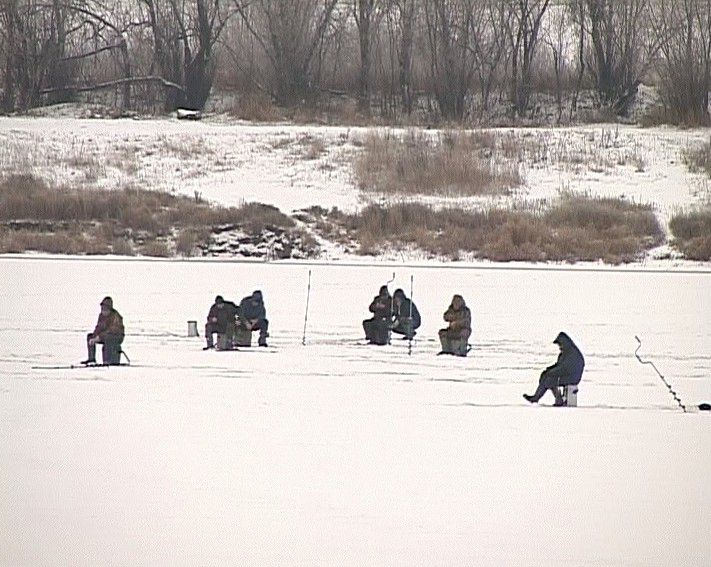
(454, 339)
(406, 317)
(221, 320)
(568, 370)
(253, 316)
(109, 332)
(376, 329)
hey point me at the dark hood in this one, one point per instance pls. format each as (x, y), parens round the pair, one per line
(565, 342)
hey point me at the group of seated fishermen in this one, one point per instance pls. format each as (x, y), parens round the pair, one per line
(398, 314)
(234, 324)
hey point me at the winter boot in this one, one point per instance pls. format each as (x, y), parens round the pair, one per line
(537, 394)
(263, 338)
(559, 401)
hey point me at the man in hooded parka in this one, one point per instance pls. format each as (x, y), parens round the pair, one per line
(220, 320)
(253, 316)
(567, 371)
(406, 317)
(454, 338)
(377, 328)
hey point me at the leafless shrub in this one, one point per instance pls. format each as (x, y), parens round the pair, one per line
(578, 229)
(655, 115)
(314, 147)
(281, 143)
(63, 242)
(257, 107)
(692, 233)
(122, 247)
(25, 196)
(93, 221)
(699, 159)
(156, 249)
(184, 147)
(684, 65)
(312, 113)
(189, 241)
(123, 157)
(452, 163)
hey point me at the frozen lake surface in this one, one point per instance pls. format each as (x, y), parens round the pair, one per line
(335, 453)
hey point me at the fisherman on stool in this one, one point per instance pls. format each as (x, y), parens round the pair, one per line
(567, 371)
(455, 338)
(109, 332)
(252, 316)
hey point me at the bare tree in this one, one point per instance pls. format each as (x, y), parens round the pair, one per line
(32, 47)
(52, 46)
(367, 15)
(105, 30)
(490, 46)
(8, 32)
(684, 31)
(291, 35)
(556, 37)
(578, 15)
(405, 13)
(449, 27)
(621, 47)
(184, 36)
(524, 31)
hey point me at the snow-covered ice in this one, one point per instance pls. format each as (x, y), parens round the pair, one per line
(334, 453)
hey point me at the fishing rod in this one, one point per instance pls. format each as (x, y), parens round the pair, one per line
(392, 300)
(671, 390)
(409, 337)
(306, 314)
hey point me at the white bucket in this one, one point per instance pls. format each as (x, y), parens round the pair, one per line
(192, 329)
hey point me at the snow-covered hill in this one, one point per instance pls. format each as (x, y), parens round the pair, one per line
(295, 167)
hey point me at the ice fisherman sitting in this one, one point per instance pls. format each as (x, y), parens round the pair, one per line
(252, 316)
(567, 371)
(109, 332)
(406, 317)
(454, 339)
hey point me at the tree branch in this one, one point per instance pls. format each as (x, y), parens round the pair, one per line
(109, 84)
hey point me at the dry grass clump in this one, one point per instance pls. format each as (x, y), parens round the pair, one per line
(699, 159)
(578, 229)
(156, 249)
(182, 147)
(597, 151)
(313, 147)
(445, 164)
(64, 242)
(36, 216)
(692, 233)
(257, 107)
